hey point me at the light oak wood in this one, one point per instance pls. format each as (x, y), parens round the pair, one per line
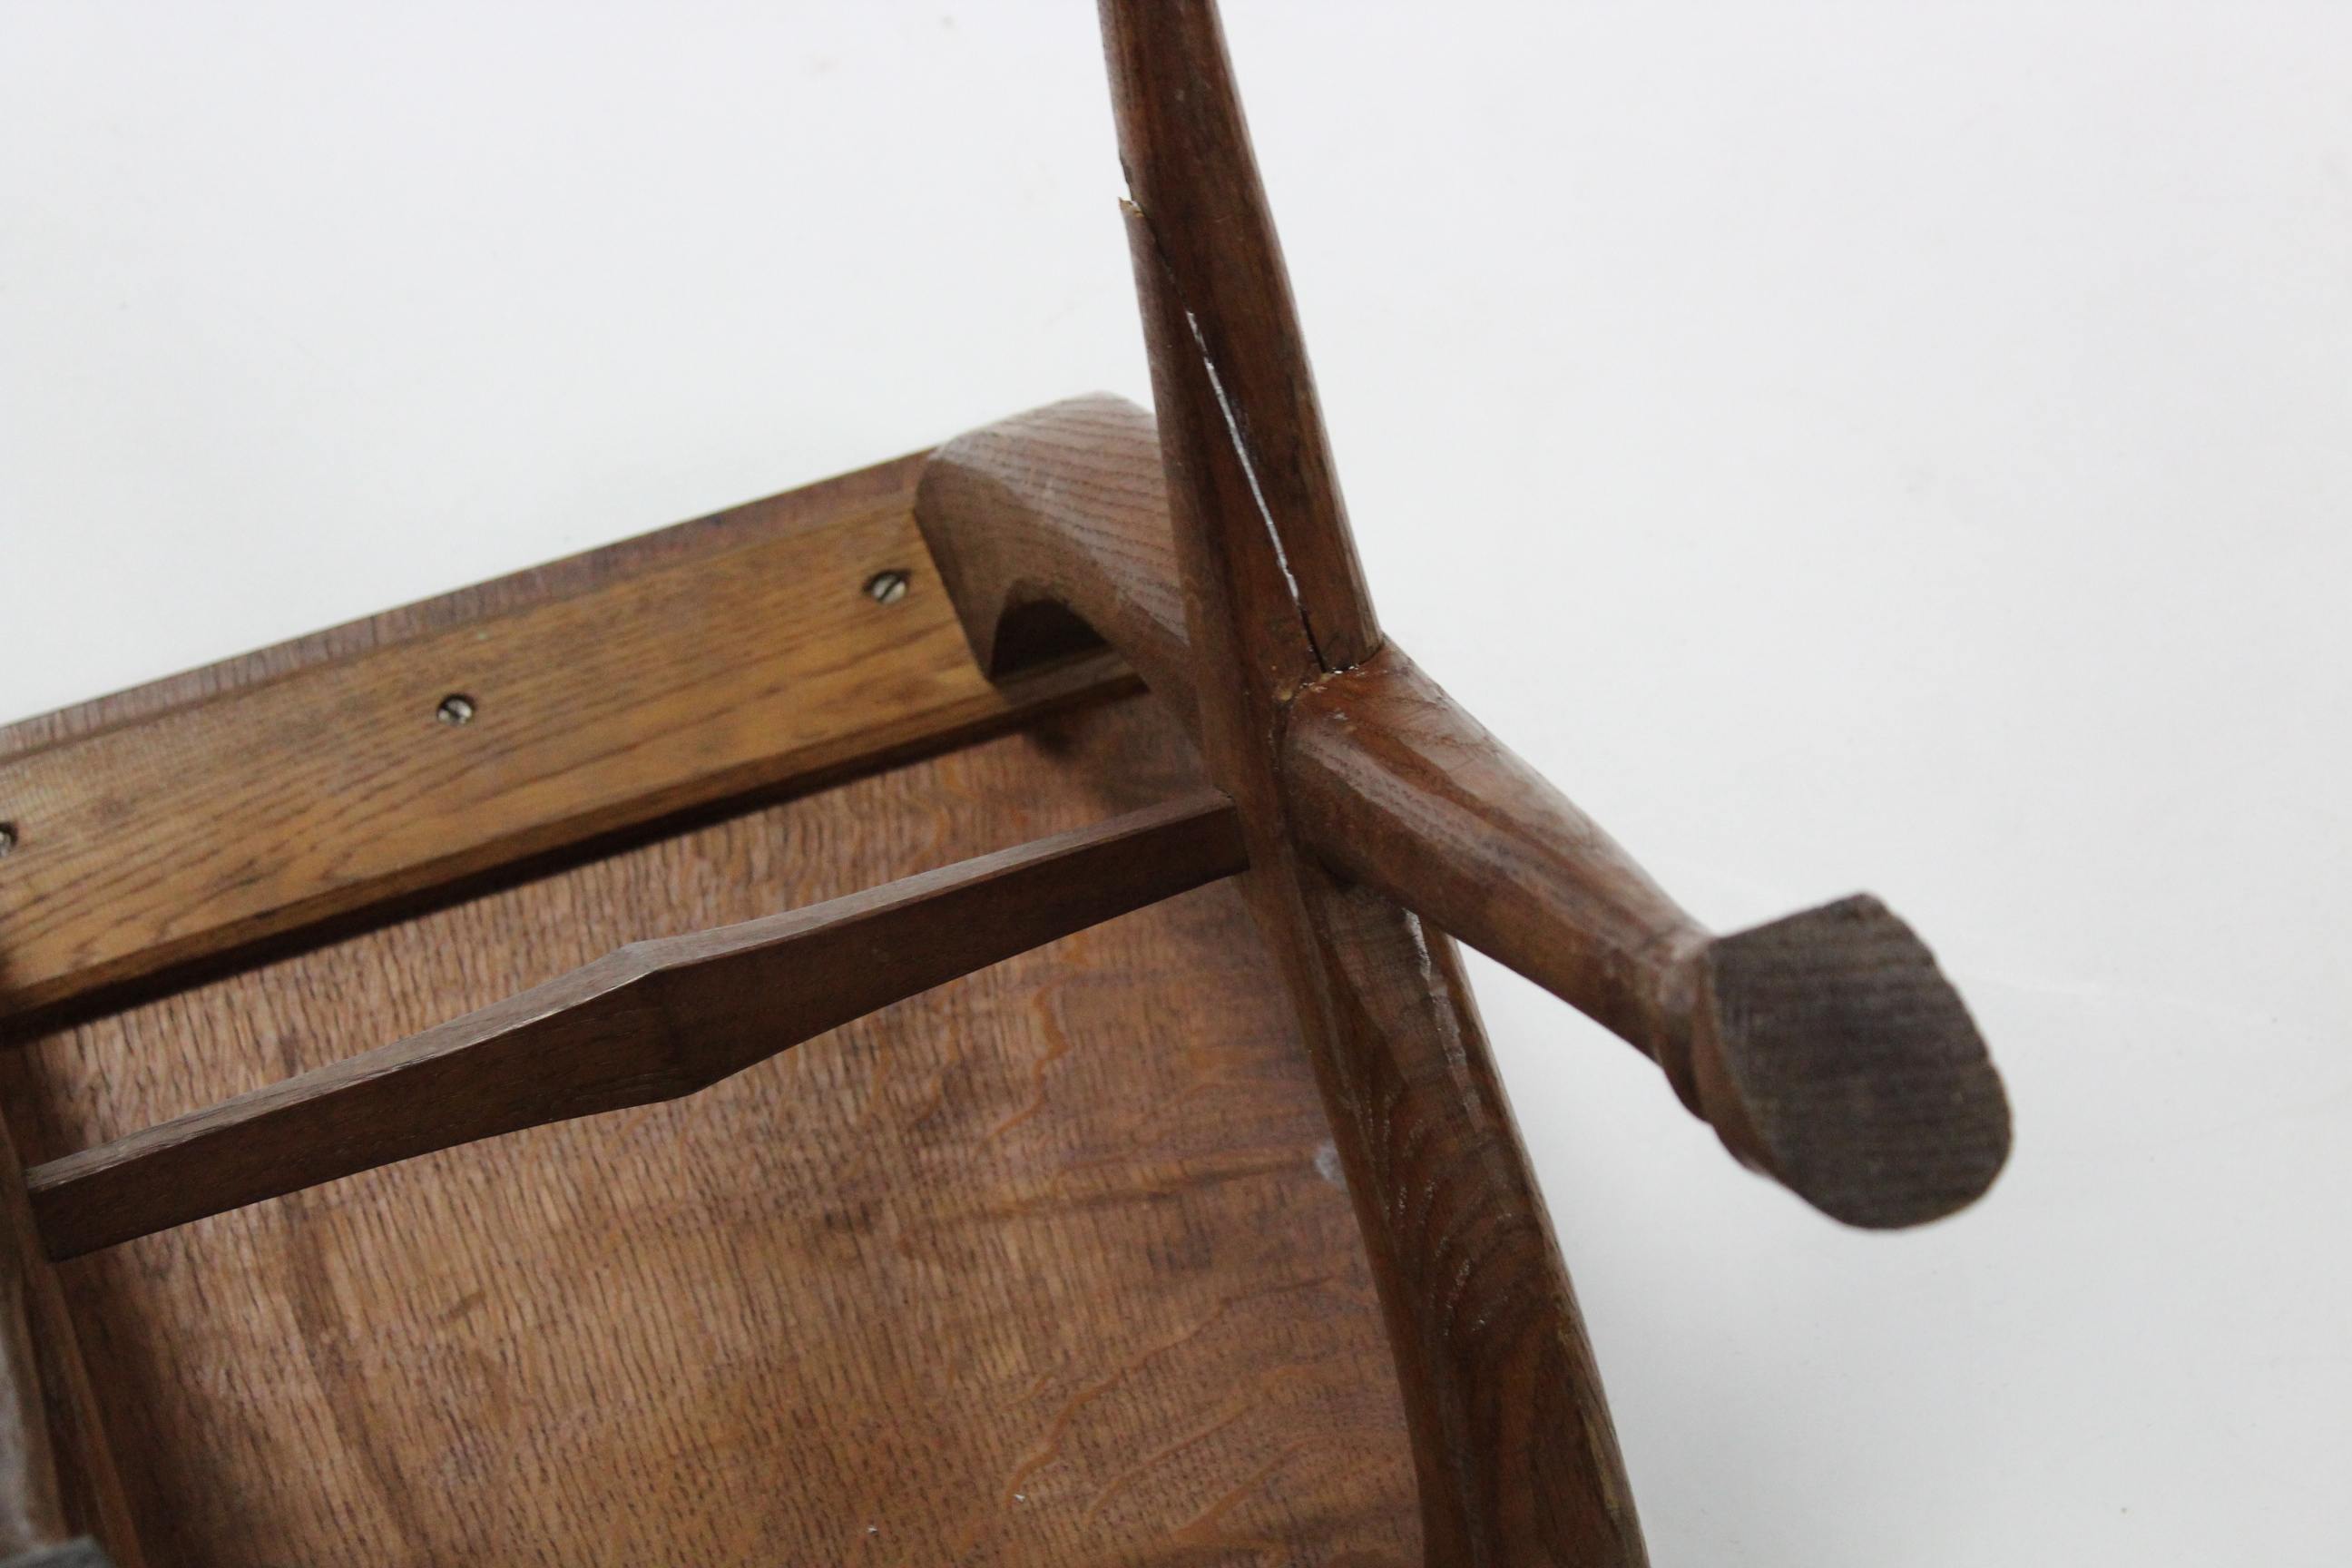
(656, 1020)
(201, 819)
(1050, 529)
(1046, 1265)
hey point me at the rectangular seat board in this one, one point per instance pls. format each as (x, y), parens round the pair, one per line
(711, 663)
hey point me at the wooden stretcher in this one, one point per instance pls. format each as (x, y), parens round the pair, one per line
(411, 1165)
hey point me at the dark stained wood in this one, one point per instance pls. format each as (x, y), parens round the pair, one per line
(1197, 204)
(89, 1483)
(209, 815)
(31, 1514)
(1395, 785)
(60, 1497)
(1514, 1453)
(1827, 1049)
(1513, 1449)
(1887, 1112)
(1047, 1266)
(654, 1021)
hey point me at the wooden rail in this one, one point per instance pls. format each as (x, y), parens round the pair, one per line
(213, 817)
(655, 1021)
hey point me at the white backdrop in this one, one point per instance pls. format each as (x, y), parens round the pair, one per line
(1846, 445)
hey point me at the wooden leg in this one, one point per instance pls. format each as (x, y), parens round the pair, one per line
(1517, 1459)
(57, 1472)
(1516, 1455)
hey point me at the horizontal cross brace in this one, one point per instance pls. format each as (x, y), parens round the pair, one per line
(654, 1021)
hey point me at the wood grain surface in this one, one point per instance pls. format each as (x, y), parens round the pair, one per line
(1516, 1454)
(1826, 1048)
(656, 1020)
(1050, 529)
(1890, 1114)
(1395, 785)
(65, 1480)
(1197, 211)
(1046, 1265)
(212, 814)
(31, 1512)
(1517, 1459)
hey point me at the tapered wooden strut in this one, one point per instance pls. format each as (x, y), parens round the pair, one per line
(1826, 1048)
(654, 1021)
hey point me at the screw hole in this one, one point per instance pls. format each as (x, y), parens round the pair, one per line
(7, 837)
(456, 709)
(887, 587)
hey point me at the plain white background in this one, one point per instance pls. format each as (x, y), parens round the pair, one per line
(1845, 444)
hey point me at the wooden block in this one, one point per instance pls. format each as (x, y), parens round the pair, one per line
(741, 655)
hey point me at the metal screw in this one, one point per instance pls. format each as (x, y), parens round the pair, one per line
(887, 587)
(456, 709)
(7, 837)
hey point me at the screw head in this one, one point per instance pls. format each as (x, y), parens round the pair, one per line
(456, 709)
(7, 837)
(887, 587)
